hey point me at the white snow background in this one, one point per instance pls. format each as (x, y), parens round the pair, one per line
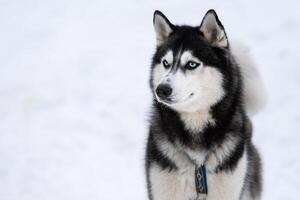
(74, 94)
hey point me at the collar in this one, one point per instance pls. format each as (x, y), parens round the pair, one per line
(200, 177)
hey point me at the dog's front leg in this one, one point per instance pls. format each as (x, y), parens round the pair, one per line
(227, 184)
(171, 185)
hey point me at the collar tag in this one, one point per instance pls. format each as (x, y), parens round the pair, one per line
(200, 180)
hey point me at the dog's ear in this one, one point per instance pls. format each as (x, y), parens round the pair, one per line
(213, 30)
(163, 27)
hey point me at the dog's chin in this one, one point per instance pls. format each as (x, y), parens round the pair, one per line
(181, 106)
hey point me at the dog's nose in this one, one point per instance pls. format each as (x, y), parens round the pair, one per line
(163, 91)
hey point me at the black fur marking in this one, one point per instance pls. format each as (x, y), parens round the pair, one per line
(253, 175)
(156, 156)
(231, 162)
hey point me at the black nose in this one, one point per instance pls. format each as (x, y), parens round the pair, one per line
(163, 91)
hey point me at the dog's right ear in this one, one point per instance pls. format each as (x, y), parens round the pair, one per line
(163, 27)
(213, 30)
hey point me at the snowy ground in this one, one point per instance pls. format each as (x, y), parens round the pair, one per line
(74, 93)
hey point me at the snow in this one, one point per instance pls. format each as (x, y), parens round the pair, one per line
(74, 96)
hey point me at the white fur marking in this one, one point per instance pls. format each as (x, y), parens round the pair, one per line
(188, 56)
(196, 121)
(167, 185)
(206, 86)
(169, 57)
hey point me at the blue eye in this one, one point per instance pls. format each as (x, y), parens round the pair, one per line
(165, 64)
(191, 65)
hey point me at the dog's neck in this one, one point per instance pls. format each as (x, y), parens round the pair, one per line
(195, 122)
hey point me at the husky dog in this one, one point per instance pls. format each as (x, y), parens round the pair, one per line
(204, 88)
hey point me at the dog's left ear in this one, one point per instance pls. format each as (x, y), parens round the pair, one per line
(213, 30)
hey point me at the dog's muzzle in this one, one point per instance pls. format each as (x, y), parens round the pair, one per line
(164, 91)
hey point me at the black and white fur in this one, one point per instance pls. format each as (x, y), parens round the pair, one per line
(203, 89)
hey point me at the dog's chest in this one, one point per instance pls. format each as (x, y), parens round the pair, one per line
(180, 184)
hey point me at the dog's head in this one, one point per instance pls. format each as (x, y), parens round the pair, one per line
(187, 73)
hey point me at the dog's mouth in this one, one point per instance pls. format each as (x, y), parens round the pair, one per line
(170, 102)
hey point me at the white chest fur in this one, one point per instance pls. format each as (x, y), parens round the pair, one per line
(180, 185)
